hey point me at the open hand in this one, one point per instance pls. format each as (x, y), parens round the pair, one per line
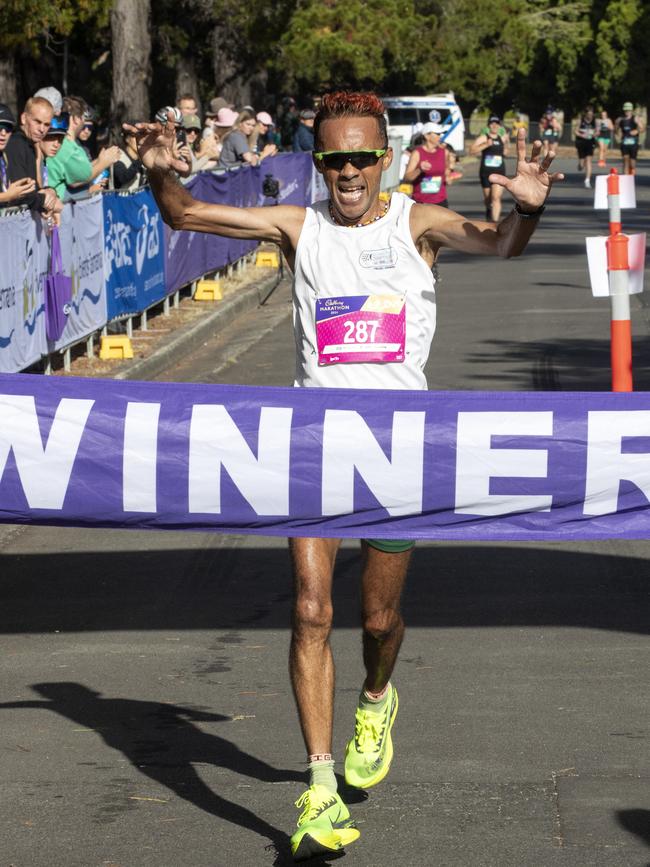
(156, 146)
(532, 182)
(20, 188)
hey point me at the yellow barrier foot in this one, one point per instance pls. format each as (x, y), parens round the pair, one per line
(267, 259)
(208, 290)
(115, 346)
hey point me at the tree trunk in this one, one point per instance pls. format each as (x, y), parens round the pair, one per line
(131, 40)
(8, 87)
(187, 81)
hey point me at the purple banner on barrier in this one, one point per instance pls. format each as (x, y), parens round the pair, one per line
(192, 254)
(325, 462)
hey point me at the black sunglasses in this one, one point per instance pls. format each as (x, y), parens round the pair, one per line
(6, 127)
(359, 159)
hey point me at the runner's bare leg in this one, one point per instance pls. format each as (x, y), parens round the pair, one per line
(310, 659)
(383, 628)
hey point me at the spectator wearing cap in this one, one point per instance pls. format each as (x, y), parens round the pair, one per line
(236, 149)
(22, 158)
(53, 96)
(203, 153)
(50, 145)
(303, 139)
(492, 146)
(629, 128)
(428, 168)
(128, 171)
(14, 189)
(69, 170)
(86, 135)
(264, 132)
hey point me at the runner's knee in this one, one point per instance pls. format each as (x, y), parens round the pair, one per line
(312, 614)
(382, 622)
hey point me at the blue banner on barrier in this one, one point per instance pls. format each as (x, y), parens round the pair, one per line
(325, 462)
(192, 254)
(24, 252)
(134, 262)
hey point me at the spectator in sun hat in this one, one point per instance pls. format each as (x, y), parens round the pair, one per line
(53, 96)
(10, 189)
(303, 139)
(214, 107)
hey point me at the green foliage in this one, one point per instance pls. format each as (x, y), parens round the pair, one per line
(354, 43)
(27, 24)
(490, 52)
(613, 39)
(480, 47)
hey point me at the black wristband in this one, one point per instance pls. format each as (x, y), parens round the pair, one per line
(529, 215)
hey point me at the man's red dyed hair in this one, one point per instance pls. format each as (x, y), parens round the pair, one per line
(346, 103)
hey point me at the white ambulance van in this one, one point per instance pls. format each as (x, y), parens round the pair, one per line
(407, 115)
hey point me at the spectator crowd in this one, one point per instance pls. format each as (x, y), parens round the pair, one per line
(56, 151)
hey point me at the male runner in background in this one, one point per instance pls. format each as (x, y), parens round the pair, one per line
(349, 246)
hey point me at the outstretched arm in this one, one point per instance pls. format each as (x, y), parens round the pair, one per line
(530, 188)
(180, 210)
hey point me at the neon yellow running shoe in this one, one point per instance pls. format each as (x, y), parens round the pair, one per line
(324, 825)
(370, 752)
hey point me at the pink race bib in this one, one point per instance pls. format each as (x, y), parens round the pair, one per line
(361, 328)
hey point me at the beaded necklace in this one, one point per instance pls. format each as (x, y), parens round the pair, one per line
(364, 222)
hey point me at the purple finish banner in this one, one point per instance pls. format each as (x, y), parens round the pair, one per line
(192, 254)
(324, 462)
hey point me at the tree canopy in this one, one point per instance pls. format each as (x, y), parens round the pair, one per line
(489, 52)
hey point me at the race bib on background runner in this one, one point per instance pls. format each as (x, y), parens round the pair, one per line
(630, 140)
(361, 328)
(431, 185)
(493, 161)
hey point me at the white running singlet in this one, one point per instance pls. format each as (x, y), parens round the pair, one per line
(379, 261)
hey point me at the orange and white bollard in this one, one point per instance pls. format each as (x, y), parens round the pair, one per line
(618, 273)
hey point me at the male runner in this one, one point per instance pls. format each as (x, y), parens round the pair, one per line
(352, 245)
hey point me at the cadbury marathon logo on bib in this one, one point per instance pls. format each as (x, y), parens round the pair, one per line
(378, 259)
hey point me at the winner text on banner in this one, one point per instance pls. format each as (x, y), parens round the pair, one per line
(325, 462)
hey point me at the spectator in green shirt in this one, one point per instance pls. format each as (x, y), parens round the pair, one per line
(70, 170)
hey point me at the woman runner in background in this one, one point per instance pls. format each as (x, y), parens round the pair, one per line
(605, 135)
(428, 168)
(492, 145)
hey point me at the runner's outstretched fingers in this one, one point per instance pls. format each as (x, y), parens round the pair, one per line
(159, 143)
(532, 182)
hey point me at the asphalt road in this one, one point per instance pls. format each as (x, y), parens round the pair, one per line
(146, 714)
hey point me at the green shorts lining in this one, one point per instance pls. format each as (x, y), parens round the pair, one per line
(391, 546)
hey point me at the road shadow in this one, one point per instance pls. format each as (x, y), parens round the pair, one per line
(230, 590)
(163, 743)
(637, 822)
(557, 364)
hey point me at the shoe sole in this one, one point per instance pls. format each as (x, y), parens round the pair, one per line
(314, 843)
(379, 776)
